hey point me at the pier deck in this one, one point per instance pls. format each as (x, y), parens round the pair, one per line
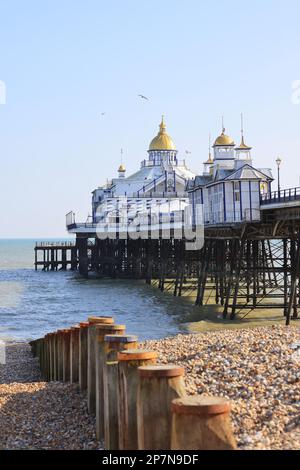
(247, 264)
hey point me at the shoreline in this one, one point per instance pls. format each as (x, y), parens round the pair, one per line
(257, 368)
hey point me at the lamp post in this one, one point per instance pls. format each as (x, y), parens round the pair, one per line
(278, 162)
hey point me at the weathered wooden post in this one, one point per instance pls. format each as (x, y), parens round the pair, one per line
(49, 352)
(83, 334)
(113, 344)
(42, 355)
(74, 354)
(129, 362)
(101, 331)
(46, 357)
(56, 355)
(60, 355)
(159, 385)
(49, 359)
(66, 355)
(201, 423)
(91, 368)
(51, 356)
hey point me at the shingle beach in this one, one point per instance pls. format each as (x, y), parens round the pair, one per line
(40, 415)
(258, 369)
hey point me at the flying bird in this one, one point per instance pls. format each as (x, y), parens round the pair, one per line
(102, 114)
(188, 152)
(143, 97)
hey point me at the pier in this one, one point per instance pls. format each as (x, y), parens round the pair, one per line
(245, 265)
(140, 228)
(55, 256)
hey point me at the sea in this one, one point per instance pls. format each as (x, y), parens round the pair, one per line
(33, 303)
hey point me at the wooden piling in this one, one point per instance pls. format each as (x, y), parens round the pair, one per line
(112, 345)
(91, 369)
(128, 380)
(158, 386)
(54, 355)
(59, 337)
(83, 347)
(74, 354)
(66, 355)
(46, 358)
(201, 423)
(100, 332)
(51, 357)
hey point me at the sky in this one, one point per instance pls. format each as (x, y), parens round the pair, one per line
(63, 63)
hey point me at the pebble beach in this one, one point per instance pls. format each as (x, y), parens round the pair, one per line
(40, 415)
(258, 369)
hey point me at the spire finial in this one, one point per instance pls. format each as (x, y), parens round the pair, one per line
(242, 125)
(162, 126)
(209, 148)
(121, 156)
(243, 146)
(223, 128)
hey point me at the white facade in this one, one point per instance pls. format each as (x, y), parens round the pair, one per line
(160, 182)
(231, 190)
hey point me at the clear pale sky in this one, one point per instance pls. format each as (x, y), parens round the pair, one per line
(64, 62)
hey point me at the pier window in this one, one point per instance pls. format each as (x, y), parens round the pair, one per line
(237, 194)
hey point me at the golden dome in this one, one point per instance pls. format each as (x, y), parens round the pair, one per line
(209, 160)
(223, 140)
(243, 146)
(162, 141)
(122, 168)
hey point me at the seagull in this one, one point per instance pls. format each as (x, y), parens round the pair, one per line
(103, 114)
(143, 97)
(188, 152)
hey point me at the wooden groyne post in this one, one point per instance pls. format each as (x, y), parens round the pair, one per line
(165, 382)
(83, 354)
(91, 359)
(201, 423)
(101, 332)
(139, 404)
(112, 345)
(74, 354)
(128, 381)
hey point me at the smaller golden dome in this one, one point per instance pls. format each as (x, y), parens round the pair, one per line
(243, 146)
(122, 168)
(209, 160)
(162, 141)
(224, 140)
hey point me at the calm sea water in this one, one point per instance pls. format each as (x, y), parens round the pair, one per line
(34, 303)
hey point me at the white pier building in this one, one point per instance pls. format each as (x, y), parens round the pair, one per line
(230, 189)
(158, 186)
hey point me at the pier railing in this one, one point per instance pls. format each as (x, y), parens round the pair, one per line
(138, 403)
(58, 244)
(284, 195)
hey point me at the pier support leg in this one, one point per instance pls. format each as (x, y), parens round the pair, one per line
(294, 276)
(81, 244)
